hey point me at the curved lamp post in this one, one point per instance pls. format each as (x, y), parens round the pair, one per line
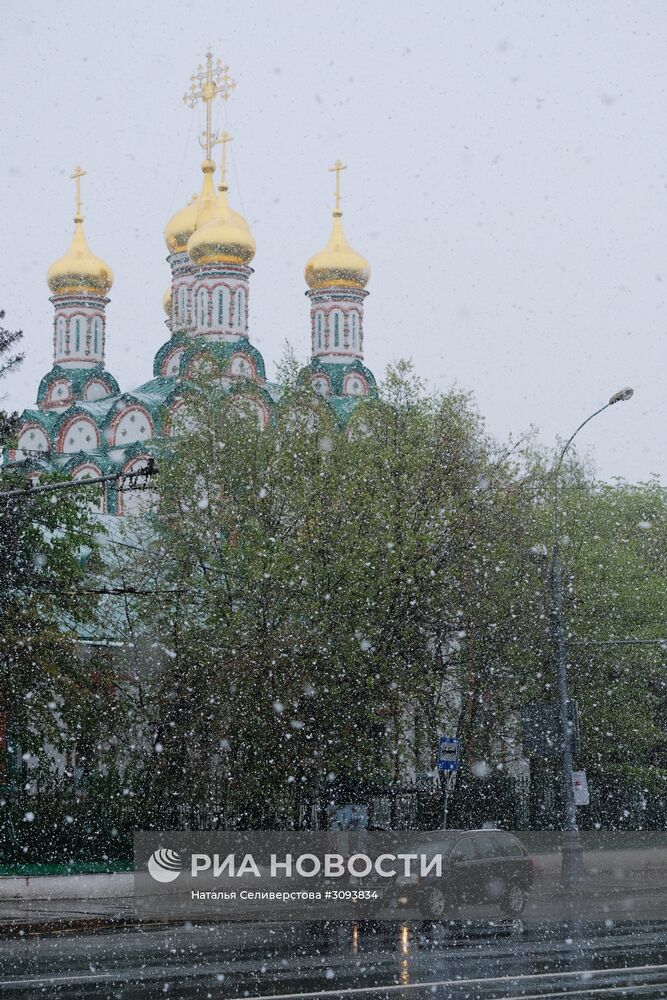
(573, 866)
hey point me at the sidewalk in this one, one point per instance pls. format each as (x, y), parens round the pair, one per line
(42, 916)
(108, 886)
(47, 903)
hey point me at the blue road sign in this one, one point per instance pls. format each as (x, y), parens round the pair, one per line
(449, 751)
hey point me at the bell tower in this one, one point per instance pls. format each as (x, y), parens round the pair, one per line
(336, 277)
(79, 282)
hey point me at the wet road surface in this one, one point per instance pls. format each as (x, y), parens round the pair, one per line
(395, 961)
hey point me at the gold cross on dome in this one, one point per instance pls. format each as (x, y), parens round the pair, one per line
(222, 140)
(336, 169)
(207, 83)
(76, 176)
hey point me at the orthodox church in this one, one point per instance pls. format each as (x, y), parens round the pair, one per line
(84, 426)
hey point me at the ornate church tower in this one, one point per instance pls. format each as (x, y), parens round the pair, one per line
(210, 81)
(221, 249)
(210, 250)
(79, 282)
(178, 297)
(337, 278)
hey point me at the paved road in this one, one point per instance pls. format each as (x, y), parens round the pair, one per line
(409, 962)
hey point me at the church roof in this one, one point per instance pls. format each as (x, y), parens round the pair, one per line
(337, 373)
(47, 418)
(223, 351)
(78, 378)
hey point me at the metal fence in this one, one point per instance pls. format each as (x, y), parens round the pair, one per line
(58, 823)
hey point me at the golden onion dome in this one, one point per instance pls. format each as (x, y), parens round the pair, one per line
(79, 270)
(338, 263)
(166, 301)
(207, 196)
(222, 236)
(181, 226)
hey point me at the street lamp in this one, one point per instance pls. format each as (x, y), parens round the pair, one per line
(573, 861)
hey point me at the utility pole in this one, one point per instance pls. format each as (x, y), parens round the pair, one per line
(572, 858)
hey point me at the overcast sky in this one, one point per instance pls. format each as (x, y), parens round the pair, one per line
(507, 181)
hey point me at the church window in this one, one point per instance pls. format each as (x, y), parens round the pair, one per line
(97, 330)
(78, 435)
(239, 309)
(354, 329)
(336, 329)
(181, 302)
(242, 367)
(319, 331)
(203, 309)
(77, 335)
(33, 439)
(221, 307)
(60, 335)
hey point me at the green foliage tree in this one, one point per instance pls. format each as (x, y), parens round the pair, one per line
(43, 540)
(613, 548)
(10, 360)
(617, 596)
(328, 599)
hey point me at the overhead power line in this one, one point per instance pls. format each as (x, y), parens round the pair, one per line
(150, 469)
